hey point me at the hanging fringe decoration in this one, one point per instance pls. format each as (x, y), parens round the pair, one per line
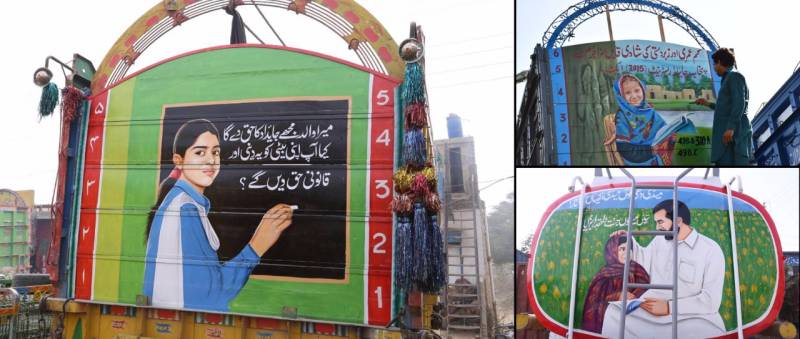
(415, 151)
(416, 116)
(71, 100)
(420, 237)
(402, 203)
(419, 256)
(420, 186)
(437, 275)
(432, 203)
(49, 100)
(414, 85)
(403, 253)
(402, 181)
(430, 175)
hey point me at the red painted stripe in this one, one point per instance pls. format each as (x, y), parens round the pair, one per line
(381, 164)
(89, 197)
(328, 329)
(747, 331)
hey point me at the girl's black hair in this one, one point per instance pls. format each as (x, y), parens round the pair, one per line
(185, 137)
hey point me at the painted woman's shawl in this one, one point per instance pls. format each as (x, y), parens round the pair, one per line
(607, 285)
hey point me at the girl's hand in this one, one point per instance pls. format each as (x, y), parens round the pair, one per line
(274, 222)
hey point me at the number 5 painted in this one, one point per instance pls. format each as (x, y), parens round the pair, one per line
(383, 97)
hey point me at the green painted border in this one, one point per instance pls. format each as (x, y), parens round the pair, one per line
(215, 76)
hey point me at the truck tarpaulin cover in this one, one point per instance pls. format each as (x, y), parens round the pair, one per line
(630, 102)
(294, 129)
(706, 291)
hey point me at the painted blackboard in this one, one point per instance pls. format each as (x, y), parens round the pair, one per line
(278, 151)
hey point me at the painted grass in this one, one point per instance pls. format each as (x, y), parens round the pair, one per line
(677, 105)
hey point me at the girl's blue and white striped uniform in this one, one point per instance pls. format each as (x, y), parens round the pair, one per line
(182, 268)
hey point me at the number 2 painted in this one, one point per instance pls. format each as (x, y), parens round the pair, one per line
(378, 248)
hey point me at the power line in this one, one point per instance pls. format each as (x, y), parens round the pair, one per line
(470, 67)
(470, 53)
(469, 82)
(473, 39)
(495, 182)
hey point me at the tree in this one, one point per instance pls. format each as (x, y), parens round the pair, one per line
(526, 244)
(676, 82)
(651, 80)
(501, 230)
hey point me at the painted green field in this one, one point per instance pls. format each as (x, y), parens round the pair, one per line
(677, 105)
(553, 260)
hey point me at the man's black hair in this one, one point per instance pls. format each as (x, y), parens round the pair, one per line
(725, 57)
(683, 211)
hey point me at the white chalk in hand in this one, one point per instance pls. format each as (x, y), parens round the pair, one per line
(293, 207)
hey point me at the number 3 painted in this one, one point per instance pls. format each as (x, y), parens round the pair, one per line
(378, 248)
(384, 138)
(384, 185)
(383, 97)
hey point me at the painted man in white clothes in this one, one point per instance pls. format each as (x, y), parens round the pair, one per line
(701, 273)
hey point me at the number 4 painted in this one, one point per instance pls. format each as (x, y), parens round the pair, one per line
(383, 138)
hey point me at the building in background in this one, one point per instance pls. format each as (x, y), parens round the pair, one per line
(776, 127)
(15, 230)
(470, 300)
(41, 236)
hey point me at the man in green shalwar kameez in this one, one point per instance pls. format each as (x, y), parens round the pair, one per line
(732, 135)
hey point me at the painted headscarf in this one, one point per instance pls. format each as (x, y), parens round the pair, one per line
(636, 124)
(607, 285)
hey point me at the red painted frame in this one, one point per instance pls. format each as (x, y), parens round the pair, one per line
(753, 329)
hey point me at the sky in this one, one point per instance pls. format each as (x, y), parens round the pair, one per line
(775, 187)
(469, 60)
(757, 31)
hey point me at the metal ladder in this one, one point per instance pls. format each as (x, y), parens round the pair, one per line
(674, 233)
(465, 304)
(632, 234)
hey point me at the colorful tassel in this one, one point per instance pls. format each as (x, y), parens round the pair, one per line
(71, 99)
(49, 99)
(414, 148)
(402, 203)
(402, 180)
(430, 175)
(420, 236)
(403, 253)
(438, 276)
(416, 116)
(420, 186)
(414, 85)
(433, 203)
